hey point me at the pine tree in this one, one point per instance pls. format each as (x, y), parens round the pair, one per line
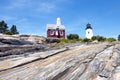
(13, 30)
(3, 27)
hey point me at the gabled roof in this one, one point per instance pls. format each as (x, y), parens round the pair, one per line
(54, 26)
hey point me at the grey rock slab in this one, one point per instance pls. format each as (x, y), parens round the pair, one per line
(85, 62)
(21, 60)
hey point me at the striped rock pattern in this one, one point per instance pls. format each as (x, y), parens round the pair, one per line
(82, 62)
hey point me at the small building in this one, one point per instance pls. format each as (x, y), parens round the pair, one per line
(56, 30)
(89, 32)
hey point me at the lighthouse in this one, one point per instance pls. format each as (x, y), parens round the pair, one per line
(89, 32)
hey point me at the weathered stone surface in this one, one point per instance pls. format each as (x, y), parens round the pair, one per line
(77, 62)
(22, 39)
(19, 60)
(36, 39)
(15, 42)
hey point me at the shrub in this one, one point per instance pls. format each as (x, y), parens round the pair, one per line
(94, 38)
(111, 39)
(64, 41)
(53, 40)
(72, 36)
(8, 33)
(86, 40)
(99, 38)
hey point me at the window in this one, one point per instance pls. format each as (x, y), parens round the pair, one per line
(61, 32)
(88, 32)
(52, 32)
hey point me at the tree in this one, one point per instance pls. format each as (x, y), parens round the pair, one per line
(13, 30)
(73, 36)
(3, 27)
(119, 37)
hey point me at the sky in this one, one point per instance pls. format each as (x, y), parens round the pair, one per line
(32, 16)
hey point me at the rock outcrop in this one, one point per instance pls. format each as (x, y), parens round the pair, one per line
(78, 62)
(23, 38)
(37, 39)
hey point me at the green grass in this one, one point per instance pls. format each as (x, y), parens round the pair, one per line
(70, 41)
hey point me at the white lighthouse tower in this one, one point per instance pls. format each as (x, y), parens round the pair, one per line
(89, 32)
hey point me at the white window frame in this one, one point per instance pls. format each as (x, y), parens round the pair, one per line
(61, 32)
(52, 32)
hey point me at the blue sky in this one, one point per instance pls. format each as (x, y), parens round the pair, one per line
(31, 16)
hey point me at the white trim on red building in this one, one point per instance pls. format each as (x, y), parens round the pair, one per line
(55, 30)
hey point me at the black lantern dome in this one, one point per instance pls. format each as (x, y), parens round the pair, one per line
(88, 26)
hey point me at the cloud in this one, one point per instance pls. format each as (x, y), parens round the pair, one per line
(19, 21)
(46, 7)
(6, 17)
(17, 4)
(42, 6)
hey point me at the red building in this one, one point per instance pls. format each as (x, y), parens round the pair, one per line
(56, 30)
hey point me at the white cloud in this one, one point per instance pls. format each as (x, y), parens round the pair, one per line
(17, 4)
(46, 6)
(6, 17)
(19, 21)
